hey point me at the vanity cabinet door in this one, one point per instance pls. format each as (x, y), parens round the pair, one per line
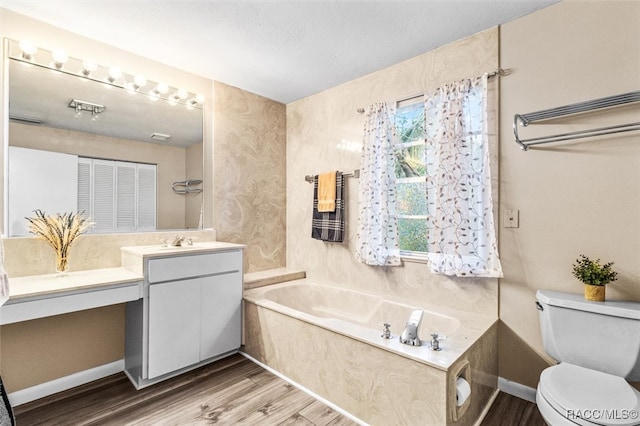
(221, 314)
(174, 326)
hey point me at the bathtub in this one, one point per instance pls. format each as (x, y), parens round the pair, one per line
(328, 340)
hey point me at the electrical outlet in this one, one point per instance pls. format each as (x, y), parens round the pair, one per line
(511, 218)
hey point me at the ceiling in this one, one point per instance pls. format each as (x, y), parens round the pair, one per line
(284, 50)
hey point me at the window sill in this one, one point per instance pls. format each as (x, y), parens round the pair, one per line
(413, 258)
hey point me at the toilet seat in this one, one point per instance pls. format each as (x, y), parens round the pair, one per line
(588, 397)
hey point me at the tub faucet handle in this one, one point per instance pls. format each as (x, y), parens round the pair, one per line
(435, 343)
(386, 332)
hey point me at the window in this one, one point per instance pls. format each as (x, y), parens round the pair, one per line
(411, 202)
(118, 196)
(412, 154)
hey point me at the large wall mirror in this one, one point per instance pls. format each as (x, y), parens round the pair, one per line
(84, 137)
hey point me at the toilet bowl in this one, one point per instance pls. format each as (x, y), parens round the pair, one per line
(572, 395)
(597, 345)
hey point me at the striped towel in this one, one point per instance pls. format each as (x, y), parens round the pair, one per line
(329, 226)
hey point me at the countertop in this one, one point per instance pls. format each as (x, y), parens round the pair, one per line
(51, 284)
(159, 251)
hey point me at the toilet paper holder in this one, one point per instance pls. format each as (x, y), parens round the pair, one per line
(463, 370)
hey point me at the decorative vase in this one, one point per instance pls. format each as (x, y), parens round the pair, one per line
(62, 264)
(595, 293)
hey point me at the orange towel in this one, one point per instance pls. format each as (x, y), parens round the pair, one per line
(327, 192)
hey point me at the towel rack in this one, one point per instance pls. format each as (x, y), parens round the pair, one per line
(186, 186)
(577, 108)
(355, 174)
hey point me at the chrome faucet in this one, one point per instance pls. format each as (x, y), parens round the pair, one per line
(177, 241)
(410, 334)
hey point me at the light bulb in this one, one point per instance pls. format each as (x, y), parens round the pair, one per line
(88, 66)
(114, 74)
(182, 94)
(60, 57)
(139, 81)
(162, 88)
(199, 99)
(191, 103)
(28, 49)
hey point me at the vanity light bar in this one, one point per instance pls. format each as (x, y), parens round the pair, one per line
(113, 75)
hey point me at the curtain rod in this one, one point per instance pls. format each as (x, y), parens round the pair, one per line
(497, 73)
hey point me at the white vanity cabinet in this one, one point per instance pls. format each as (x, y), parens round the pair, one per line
(190, 313)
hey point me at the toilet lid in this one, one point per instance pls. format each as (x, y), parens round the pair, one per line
(588, 397)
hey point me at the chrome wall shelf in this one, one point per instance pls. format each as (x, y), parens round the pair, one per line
(578, 108)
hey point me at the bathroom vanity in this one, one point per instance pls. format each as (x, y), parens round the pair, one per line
(190, 313)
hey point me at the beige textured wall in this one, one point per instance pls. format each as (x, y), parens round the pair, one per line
(41, 350)
(318, 130)
(250, 175)
(574, 197)
(171, 161)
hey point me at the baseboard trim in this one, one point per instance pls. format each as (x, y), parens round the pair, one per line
(516, 389)
(64, 383)
(305, 390)
(486, 409)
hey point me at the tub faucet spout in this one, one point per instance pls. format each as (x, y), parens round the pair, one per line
(410, 334)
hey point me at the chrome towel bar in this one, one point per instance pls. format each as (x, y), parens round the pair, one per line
(355, 174)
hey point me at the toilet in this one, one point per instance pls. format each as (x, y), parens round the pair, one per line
(597, 345)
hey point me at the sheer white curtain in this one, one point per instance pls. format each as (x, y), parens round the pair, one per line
(377, 238)
(461, 232)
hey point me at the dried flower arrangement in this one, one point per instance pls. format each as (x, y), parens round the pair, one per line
(59, 231)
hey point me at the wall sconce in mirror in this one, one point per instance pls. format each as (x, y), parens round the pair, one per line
(58, 60)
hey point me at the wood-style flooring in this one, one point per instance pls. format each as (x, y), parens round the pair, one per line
(228, 392)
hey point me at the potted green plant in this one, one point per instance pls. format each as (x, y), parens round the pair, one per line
(595, 276)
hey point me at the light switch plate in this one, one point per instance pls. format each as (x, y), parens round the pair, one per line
(511, 218)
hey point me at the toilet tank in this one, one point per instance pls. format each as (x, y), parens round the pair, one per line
(602, 336)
